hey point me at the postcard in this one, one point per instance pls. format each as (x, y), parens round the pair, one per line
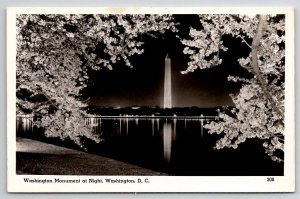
(150, 99)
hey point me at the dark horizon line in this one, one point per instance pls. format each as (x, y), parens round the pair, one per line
(154, 116)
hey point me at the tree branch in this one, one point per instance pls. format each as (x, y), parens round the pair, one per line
(244, 41)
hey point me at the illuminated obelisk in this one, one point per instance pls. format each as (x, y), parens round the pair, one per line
(167, 85)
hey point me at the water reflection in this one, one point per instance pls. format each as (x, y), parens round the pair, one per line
(129, 126)
(175, 145)
(167, 137)
(24, 124)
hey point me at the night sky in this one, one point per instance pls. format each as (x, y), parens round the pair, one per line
(142, 85)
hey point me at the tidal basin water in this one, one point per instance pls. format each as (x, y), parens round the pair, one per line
(174, 145)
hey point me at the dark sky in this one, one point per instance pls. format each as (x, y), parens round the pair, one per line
(143, 84)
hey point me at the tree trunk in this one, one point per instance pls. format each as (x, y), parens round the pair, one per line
(254, 63)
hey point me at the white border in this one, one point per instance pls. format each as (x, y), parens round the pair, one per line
(286, 183)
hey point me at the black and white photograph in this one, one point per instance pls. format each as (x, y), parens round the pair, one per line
(151, 100)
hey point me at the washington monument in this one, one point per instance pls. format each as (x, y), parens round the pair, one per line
(167, 84)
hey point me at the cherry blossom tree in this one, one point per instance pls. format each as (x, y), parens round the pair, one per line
(54, 53)
(259, 104)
